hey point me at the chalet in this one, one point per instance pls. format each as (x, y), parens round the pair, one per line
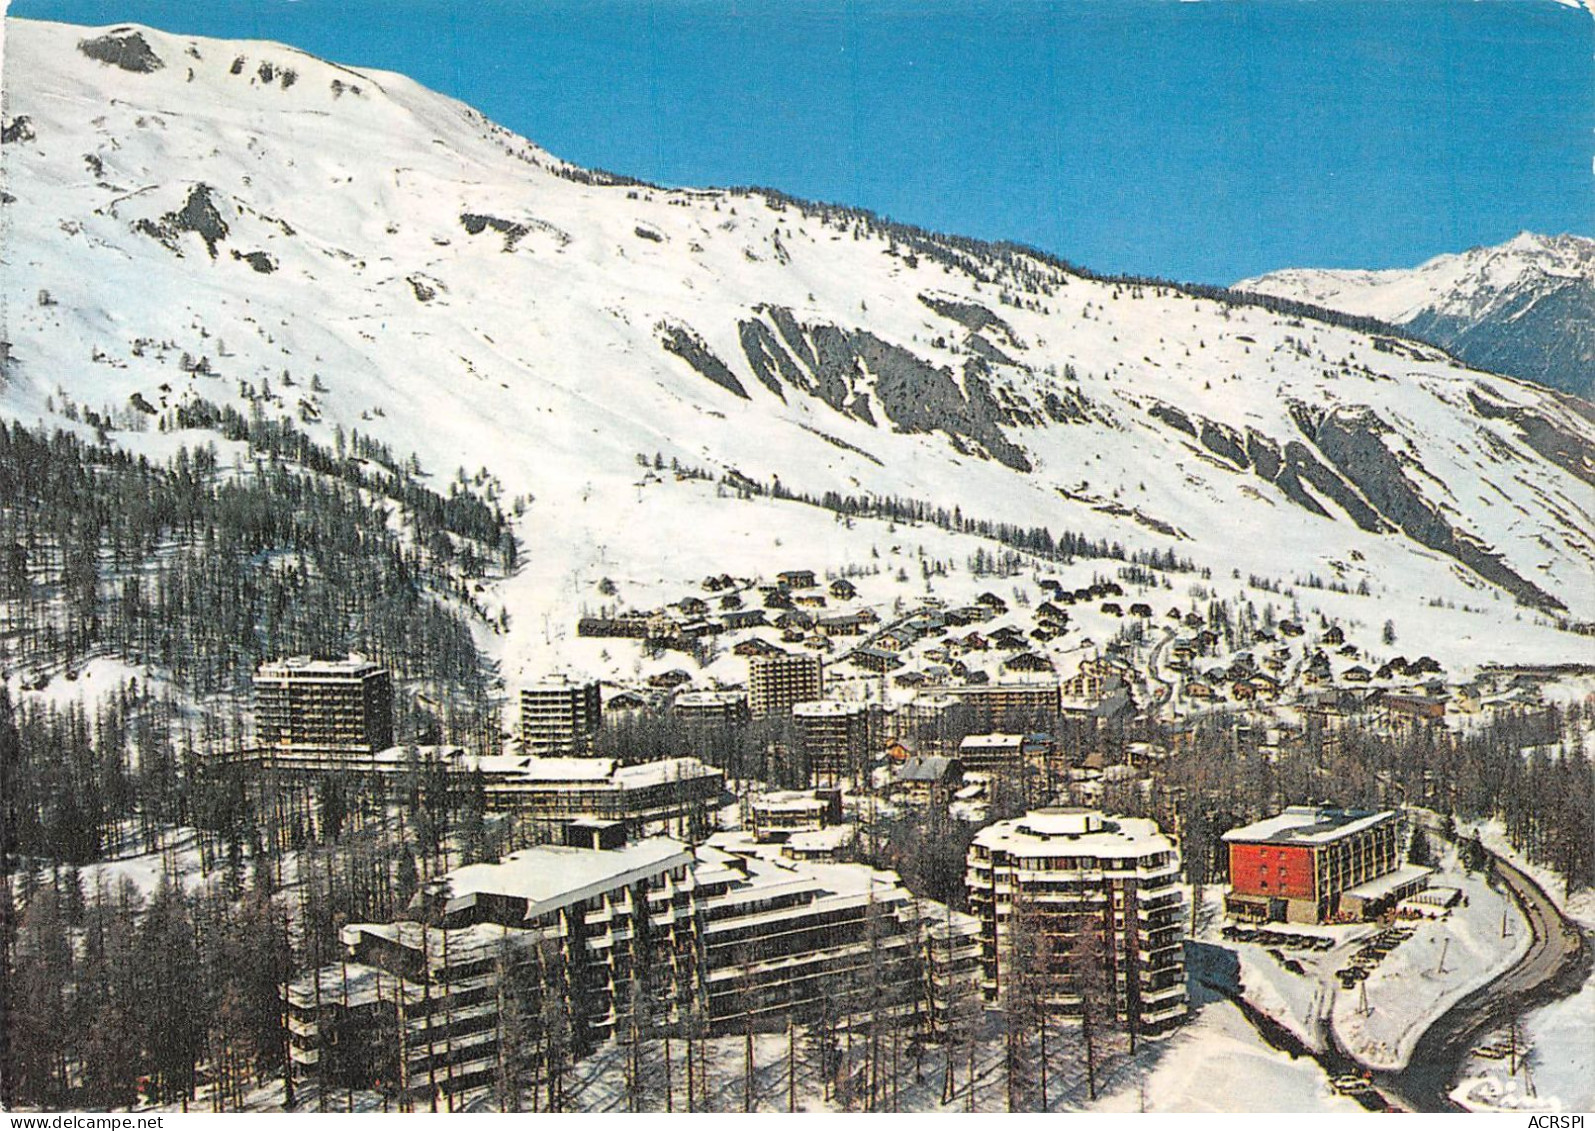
(843, 589)
(693, 606)
(1183, 649)
(1206, 639)
(1048, 611)
(819, 644)
(977, 677)
(698, 629)
(1418, 708)
(875, 659)
(974, 642)
(1052, 585)
(1333, 635)
(633, 625)
(675, 677)
(1112, 609)
(624, 701)
(1350, 650)
(1140, 609)
(743, 618)
(1027, 662)
(1083, 594)
(1241, 691)
(993, 602)
(757, 647)
(1112, 589)
(867, 616)
(1174, 613)
(809, 600)
(794, 619)
(731, 601)
(970, 614)
(842, 624)
(928, 780)
(777, 600)
(895, 639)
(1196, 689)
(926, 622)
(1290, 628)
(718, 584)
(1094, 678)
(1356, 674)
(1042, 634)
(796, 579)
(911, 679)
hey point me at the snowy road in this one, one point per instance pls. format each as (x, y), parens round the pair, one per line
(1557, 961)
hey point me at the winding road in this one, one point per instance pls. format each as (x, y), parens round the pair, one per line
(1556, 963)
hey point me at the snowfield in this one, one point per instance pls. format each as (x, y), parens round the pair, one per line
(245, 224)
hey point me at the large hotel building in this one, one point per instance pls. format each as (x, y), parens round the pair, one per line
(1311, 864)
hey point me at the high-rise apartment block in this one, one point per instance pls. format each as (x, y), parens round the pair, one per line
(559, 718)
(1081, 911)
(323, 710)
(775, 683)
(834, 737)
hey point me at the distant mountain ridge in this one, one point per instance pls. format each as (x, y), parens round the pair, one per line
(1525, 308)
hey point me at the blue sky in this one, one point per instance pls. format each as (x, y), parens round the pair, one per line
(1202, 141)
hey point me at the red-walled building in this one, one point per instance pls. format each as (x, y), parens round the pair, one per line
(1309, 863)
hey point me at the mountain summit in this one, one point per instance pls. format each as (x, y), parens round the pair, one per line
(239, 223)
(1525, 307)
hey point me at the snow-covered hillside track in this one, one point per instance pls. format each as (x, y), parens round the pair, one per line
(240, 222)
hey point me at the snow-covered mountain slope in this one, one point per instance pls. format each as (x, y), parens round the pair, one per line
(187, 218)
(1526, 307)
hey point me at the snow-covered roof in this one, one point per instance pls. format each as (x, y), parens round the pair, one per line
(353, 665)
(991, 741)
(1075, 832)
(710, 698)
(789, 800)
(1309, 824)
(826, 709)
(1389, 883)
(567, 769)
(553, 876)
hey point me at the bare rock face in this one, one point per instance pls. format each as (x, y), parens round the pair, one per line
(125, 49)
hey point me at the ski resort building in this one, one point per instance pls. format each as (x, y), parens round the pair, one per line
(323, 712)
(560, 718)
(553, 948)
(998, 754)
(1312, 864)
(835, 944)
(775, 683)
(1010, 706)
(711, 706)
(776, 814)
(536, 959)
(1083, 912)
(834, 737)
(678, 793)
